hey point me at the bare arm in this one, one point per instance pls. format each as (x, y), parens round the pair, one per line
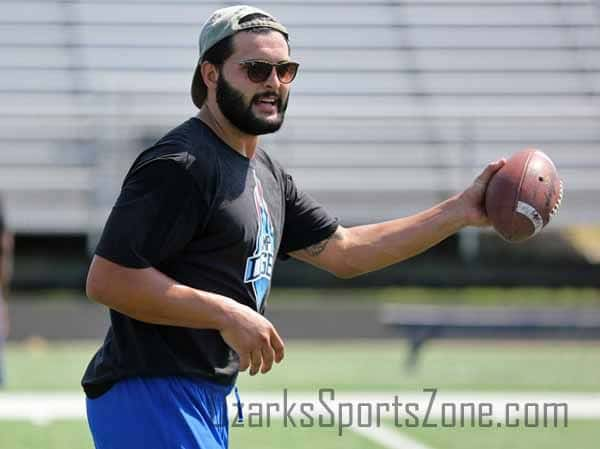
(150, 296)
(6, 261)
(4, 321)
(6, 264)
(353, 251)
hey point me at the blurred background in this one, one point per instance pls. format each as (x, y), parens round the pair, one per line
(398, 105)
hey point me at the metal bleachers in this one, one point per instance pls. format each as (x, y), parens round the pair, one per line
(398, 103)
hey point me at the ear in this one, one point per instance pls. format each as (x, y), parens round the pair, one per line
(210, 74)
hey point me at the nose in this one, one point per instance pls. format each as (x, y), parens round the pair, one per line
(272, 81)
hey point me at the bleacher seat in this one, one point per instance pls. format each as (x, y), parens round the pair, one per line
(398, 103)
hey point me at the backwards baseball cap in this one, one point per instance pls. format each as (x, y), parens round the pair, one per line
(222, 24)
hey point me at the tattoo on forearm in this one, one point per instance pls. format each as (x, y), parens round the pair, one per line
(318, 248)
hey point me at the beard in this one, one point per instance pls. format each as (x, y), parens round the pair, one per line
(240, 114)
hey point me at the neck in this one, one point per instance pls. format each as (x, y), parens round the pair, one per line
(244, 144)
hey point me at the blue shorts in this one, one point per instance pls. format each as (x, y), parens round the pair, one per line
(160, 413)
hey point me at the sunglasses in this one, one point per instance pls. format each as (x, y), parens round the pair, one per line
(260, 71)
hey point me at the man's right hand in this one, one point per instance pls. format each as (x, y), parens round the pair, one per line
(253, 337)
(148, 295)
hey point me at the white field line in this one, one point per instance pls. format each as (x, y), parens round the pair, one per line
(40, 407)
(388, 438)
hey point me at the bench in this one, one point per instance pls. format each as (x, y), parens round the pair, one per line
(420, 324)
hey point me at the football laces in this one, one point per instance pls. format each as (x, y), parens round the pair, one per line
(554, 210)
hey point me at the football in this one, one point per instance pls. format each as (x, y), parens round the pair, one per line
(524, 195)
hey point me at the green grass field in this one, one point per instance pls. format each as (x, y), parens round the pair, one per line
(349, 366)
(583, 434)
(75, 435)
(357, 366)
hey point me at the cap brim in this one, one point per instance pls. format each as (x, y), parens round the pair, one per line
(198, 88)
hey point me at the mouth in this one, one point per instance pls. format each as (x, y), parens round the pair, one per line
(268, 103)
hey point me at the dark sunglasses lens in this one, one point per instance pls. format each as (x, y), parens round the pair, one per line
(259, 71)
(287, 72)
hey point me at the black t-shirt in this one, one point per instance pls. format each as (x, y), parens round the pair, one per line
(198, 211)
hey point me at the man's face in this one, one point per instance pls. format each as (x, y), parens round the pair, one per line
(253, 108)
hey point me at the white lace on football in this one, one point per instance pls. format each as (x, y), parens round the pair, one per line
(554, 210)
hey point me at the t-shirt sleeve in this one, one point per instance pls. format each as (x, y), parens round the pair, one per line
(156, 214)
(306, 221)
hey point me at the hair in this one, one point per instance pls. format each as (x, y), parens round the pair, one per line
(222, 50)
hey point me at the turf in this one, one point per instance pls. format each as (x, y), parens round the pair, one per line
(350, 366)
(582, 434)
(450, 366)
(363, 366)
(277, 436)
(55, 435)
(37, 365)
(75, 435)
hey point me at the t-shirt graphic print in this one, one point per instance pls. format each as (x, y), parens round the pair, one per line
(259, 267)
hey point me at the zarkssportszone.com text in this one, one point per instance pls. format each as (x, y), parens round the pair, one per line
(428, 409)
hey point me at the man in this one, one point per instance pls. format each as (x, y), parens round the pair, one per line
(186, 257)
(6, 247)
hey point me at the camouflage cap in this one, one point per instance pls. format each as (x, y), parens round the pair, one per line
(222, 24)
